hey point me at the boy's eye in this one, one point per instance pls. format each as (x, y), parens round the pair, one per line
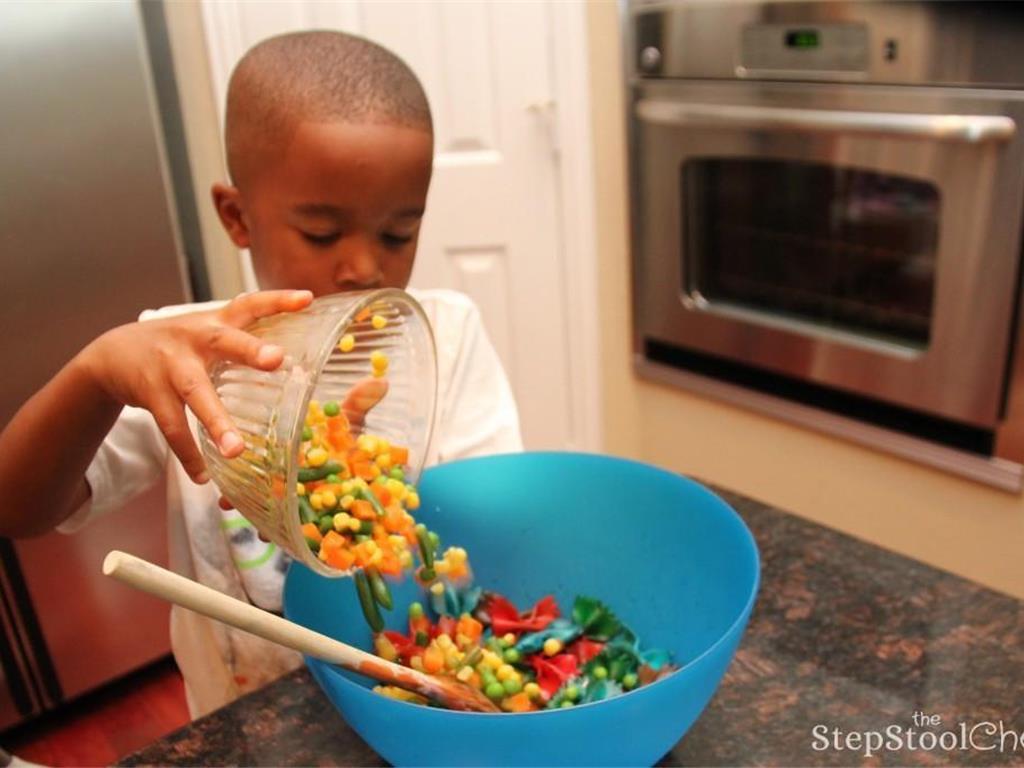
(321, 240)
(393, 240)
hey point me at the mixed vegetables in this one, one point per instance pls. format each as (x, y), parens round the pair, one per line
(356, 506)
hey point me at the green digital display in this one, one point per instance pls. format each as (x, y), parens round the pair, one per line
(803, 38)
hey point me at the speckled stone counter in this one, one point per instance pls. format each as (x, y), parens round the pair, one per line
(845, 636)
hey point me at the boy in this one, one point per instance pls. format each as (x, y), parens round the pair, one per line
(329, 146)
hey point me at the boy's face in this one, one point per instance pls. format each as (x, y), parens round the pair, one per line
(338, 210)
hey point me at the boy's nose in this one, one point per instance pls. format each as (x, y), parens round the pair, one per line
(356, 266)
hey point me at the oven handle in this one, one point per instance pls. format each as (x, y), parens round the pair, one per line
(973, 129)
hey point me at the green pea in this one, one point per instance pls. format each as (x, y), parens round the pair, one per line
(326, 523)
(415, 610)
(331, 408)
(572, 693)
(512, 686)
(313, 544)
(333, 478)
(365, 527)
(495, 691)
(307, 433)
(600, 673)
(422, 640)
(397, 474)
(566, 704)
(629, 681)
(512, 656)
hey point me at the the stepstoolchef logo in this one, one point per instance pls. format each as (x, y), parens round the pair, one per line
(927, 734)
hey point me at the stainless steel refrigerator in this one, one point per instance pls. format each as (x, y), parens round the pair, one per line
(97, 222)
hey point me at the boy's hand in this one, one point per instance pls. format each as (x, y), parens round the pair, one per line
(161, 365)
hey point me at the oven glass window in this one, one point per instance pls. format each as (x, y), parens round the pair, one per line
(837, 247)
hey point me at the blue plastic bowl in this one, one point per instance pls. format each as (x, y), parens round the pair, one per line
(673, 560)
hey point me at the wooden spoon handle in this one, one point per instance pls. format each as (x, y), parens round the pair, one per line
(189, 594)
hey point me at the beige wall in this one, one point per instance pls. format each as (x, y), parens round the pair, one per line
(951, 523)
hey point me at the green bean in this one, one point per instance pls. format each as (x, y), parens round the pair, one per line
(306, 512)
(379, 587)
(312, 474)
(365, 527)
(426, 553)
(313, 545)
(326, 523)
(371, 497)
(367, 603)
(421, 639)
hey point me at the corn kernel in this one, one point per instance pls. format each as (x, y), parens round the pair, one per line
(505, 671)
(347, 487)
(316, 457)
(383, 460)
(347, 343)
(354, 525)
(398, 542)
(552, 646)
(443, 642)
(397, 489)
(491, 659)
(405, 560)
(347, 501)
(441, 567)
(412, 501)
(465, 674)
(378, 360)
(451, 660)
(367, 443)
(300, 489)
(328, 499)
(375, 471)
(316, 502)
(416, 662)
(383, 446)
(532, 690)
(509, 638)
(341, 522)
(379, 322)
(437, 588)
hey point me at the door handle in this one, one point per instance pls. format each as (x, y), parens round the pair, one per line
(973, 129)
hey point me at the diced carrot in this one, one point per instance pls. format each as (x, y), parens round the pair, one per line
(520, 702)
(383, 494)
(399, 455)
(363, 510)
(394, 519)
(332, 540)
(277, 487)
(363, 315)
(310, 531)
(356, 456)
(433, 659)
(469, 627)
(390, 565)
(340, 440)
(341, 558)
(363, 469)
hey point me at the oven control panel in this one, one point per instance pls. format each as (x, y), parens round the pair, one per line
(807, 49)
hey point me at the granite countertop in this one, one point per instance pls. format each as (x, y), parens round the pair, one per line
(844, 635)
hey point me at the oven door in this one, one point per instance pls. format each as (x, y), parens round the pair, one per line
(860, 237)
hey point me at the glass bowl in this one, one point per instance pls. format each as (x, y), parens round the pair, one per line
(269, 408)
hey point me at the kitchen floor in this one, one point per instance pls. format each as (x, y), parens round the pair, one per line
(108, 724)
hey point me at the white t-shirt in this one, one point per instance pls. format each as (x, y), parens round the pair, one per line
(476, 416)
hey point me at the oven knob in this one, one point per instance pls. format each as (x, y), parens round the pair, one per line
(650, 58)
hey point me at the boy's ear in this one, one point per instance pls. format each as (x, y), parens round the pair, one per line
(227, 201)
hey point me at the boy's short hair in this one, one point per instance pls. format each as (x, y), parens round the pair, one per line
(316, 76)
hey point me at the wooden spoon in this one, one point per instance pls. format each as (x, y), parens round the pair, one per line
(189, 594)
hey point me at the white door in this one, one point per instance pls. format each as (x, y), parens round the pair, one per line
(492, 228)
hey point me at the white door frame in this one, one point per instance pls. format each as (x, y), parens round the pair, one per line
(574, 147)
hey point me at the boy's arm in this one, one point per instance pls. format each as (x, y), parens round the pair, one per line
(159, 365)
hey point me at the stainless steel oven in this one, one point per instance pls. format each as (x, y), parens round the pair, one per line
(827, 204)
